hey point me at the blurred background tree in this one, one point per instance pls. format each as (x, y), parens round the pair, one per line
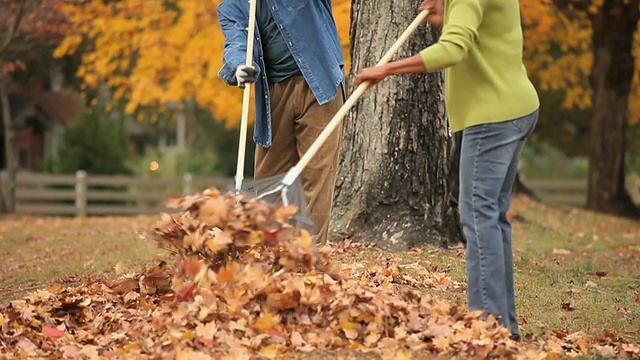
(154, 64)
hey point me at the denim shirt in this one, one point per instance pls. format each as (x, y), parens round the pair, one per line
(310, 31)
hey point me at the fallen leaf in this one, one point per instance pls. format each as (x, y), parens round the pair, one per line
(120, 268)
(190, 354)
(269, 351)
(297, 340)
(266, 322)
(125, 286)
(26, 345)
(402, 354)
(441, 342)
(90, 351)
(70, 351)
(561, 251)
(631, 348)
(52, 332)
(131, 296)
(553, 356)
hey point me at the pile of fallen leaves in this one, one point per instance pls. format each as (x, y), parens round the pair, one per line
(246, 284)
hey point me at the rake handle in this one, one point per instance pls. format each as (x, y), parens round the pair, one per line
(242, 143)
(337, 118)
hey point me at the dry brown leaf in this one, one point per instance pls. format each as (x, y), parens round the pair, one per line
(402, 354)
(601, 274)
(70, 351)
(125, 286)
(189, 354)
(560, 251)
(26, 345)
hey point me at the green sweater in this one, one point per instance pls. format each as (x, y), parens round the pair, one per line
(481, 51)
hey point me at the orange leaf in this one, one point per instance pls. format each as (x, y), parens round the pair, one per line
(220, 241)
(266, 322)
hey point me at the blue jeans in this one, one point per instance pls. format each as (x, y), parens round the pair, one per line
(488, 167)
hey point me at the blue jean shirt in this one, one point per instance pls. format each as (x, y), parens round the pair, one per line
(310, 31)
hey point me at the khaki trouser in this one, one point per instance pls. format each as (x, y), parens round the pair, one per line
(296, 121)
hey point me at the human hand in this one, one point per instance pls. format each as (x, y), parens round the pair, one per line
(436, 11)
(373, 74)
(246, 75)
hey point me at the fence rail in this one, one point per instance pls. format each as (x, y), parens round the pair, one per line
(86, 195)
(561, 191)
(93, 195)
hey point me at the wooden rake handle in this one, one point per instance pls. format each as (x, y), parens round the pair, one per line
(242, 143)
(337, 118)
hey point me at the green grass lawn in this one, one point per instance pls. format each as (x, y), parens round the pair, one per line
(575, 270)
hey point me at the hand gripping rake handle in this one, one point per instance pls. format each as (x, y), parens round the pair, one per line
(291, 176)
(242, 144)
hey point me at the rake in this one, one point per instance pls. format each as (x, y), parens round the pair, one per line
(242, 143)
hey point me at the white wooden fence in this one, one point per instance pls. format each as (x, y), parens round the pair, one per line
(86, 194)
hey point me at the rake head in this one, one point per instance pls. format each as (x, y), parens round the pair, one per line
(274, 193)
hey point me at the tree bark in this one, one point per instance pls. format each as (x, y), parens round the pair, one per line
(392, 186)
(613, 67)
(455, 149)
(520, 188)
(9, 148)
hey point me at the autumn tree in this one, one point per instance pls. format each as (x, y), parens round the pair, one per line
(586, 49)
(158, 54)
(29, 29)
(392, 185)
(158, 61)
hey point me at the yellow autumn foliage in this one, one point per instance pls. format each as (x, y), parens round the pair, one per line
(157, 52)
(558, 52)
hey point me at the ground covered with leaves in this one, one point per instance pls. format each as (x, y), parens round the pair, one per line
(244, 284)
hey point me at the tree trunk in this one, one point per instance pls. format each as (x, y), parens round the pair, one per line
(611, 75)
(520, 188)
(455, 149)
(392, 186)
(9, 146)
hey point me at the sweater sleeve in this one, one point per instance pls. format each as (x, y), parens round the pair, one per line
(459, 32)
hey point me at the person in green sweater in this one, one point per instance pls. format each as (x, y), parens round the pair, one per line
(490, 98)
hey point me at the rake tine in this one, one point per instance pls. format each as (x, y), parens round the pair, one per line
(279, 188)
(300, 218)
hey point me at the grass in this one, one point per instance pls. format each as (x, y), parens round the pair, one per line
(36, 251)
(575, 270)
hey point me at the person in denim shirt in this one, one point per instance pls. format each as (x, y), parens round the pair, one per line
(298, 71)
